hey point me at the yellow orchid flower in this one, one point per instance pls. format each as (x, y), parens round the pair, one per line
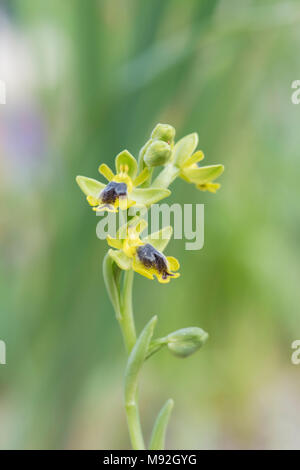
(190, 171)
(122, 189)
(144, 256)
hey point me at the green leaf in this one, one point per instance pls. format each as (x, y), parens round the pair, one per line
(111, 274)
(157, 441)
(136, 360)
(125, 158)
(160, 239)
(149, 196)
(89, 186)
(119, 257)
(204, 174)
(184, 148)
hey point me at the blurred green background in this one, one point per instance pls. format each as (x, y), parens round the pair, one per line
(86, 79)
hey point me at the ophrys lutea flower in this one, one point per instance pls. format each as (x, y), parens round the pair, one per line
(184, 163)
(185, 158)
(145, 256)
(122, 190)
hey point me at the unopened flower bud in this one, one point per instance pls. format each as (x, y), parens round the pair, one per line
(186, 341)
(163, 132)
(158, 153)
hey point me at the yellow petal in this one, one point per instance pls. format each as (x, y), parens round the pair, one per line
(141, 178)
(167, 279)
(114, 242)
(175, 275)
(140, 269)
(92, 201)
(161, 279)
(173, 263)
(211, 187)
(195, 158)
(106, 172)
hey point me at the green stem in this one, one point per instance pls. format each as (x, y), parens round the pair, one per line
(134, 425)
(127, 320)
(129, 335)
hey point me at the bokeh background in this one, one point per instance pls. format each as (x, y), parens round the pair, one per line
(86, 79)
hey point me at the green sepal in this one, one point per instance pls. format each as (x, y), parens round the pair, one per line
(160, 239)
(111, 274)
(89, 186)
(136, 360)
(119, 257)
(184, 148)
(148, 196)
(204, 174)
(157, 441)
(125, 158)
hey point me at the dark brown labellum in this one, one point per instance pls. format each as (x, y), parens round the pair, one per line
(112, 192)
(152, 258)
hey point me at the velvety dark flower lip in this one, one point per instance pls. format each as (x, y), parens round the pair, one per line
(152, 258)
(112, 192)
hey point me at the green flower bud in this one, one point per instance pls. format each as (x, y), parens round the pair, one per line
(158, 153)
(186, 341)
(163, 132)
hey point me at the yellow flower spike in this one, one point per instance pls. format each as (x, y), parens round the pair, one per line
(106, 172)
